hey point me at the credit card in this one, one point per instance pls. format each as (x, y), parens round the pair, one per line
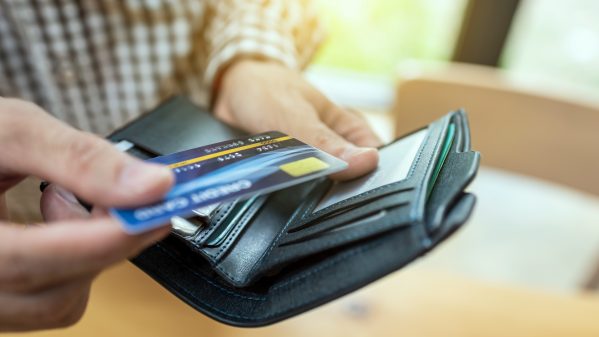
(235, 169)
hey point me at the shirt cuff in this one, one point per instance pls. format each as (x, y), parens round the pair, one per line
(261, 43)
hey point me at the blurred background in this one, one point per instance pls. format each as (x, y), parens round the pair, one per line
(548, 38)
(527, 263)
(527, 71)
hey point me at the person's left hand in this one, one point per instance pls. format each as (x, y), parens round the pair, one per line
(260, 96)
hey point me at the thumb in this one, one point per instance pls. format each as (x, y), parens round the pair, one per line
(80, 162)
(58, 204)
(361, 160)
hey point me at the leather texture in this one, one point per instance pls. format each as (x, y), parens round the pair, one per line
(278, 258)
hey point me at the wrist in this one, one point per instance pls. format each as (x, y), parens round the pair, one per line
(228, 71)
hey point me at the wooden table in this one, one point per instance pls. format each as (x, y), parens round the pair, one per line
(414, 302)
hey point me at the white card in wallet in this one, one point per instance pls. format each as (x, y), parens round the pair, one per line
(395, 161)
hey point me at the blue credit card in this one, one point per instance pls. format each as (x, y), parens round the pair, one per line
(234, 169)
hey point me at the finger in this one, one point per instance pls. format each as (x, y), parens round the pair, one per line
(98, 212)
(40, 145)
(351, 126)
(57, 204)
(368, 137)
(58, 306)
(33, 257)
(360, 160)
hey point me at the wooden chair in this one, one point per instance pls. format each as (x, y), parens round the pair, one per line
(517, 124)
(520, 125)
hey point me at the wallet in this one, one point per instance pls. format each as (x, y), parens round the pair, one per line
(258, 261)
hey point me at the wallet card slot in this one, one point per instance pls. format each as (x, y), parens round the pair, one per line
(355, 201)
(220, 216)
(420, 170)
(245, 257)
(303, 223)
(457, 173)
(218, 236)
(140, 152)
(186, 228)
(462, 132)
(331, 226)
(366, 227)
(338, 220)
(220, 241)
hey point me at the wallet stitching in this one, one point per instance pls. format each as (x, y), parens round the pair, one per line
(242, 222)
(181, 262)
(272, 246)
(419, 158)
(217, 221)
(427, 172)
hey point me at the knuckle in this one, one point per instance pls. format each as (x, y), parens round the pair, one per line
(322, 138)
(62, 312)
(326, 140)
(341, 116)
(14, 274)
(69, 318)
(13, 277)
(107, 256)
(84, 152)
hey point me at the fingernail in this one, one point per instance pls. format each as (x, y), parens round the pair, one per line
(65, 195)
(354, 151)
(138, 175)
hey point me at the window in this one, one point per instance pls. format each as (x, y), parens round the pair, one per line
(556, 38)
(373, 36)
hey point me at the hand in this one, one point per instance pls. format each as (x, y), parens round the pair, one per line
(261, 96)
(46, 270)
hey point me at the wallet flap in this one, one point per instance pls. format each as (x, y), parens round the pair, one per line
(175, 125)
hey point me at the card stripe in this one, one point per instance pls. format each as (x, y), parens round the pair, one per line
(221, 153)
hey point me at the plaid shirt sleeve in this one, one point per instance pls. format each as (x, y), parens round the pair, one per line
(99, 64)
(287, 31)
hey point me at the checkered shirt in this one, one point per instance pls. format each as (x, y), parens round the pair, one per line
(97, 64)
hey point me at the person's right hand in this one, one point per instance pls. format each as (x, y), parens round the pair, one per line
(46, 269)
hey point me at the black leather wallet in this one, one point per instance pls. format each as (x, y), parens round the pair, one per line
(258, 261)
